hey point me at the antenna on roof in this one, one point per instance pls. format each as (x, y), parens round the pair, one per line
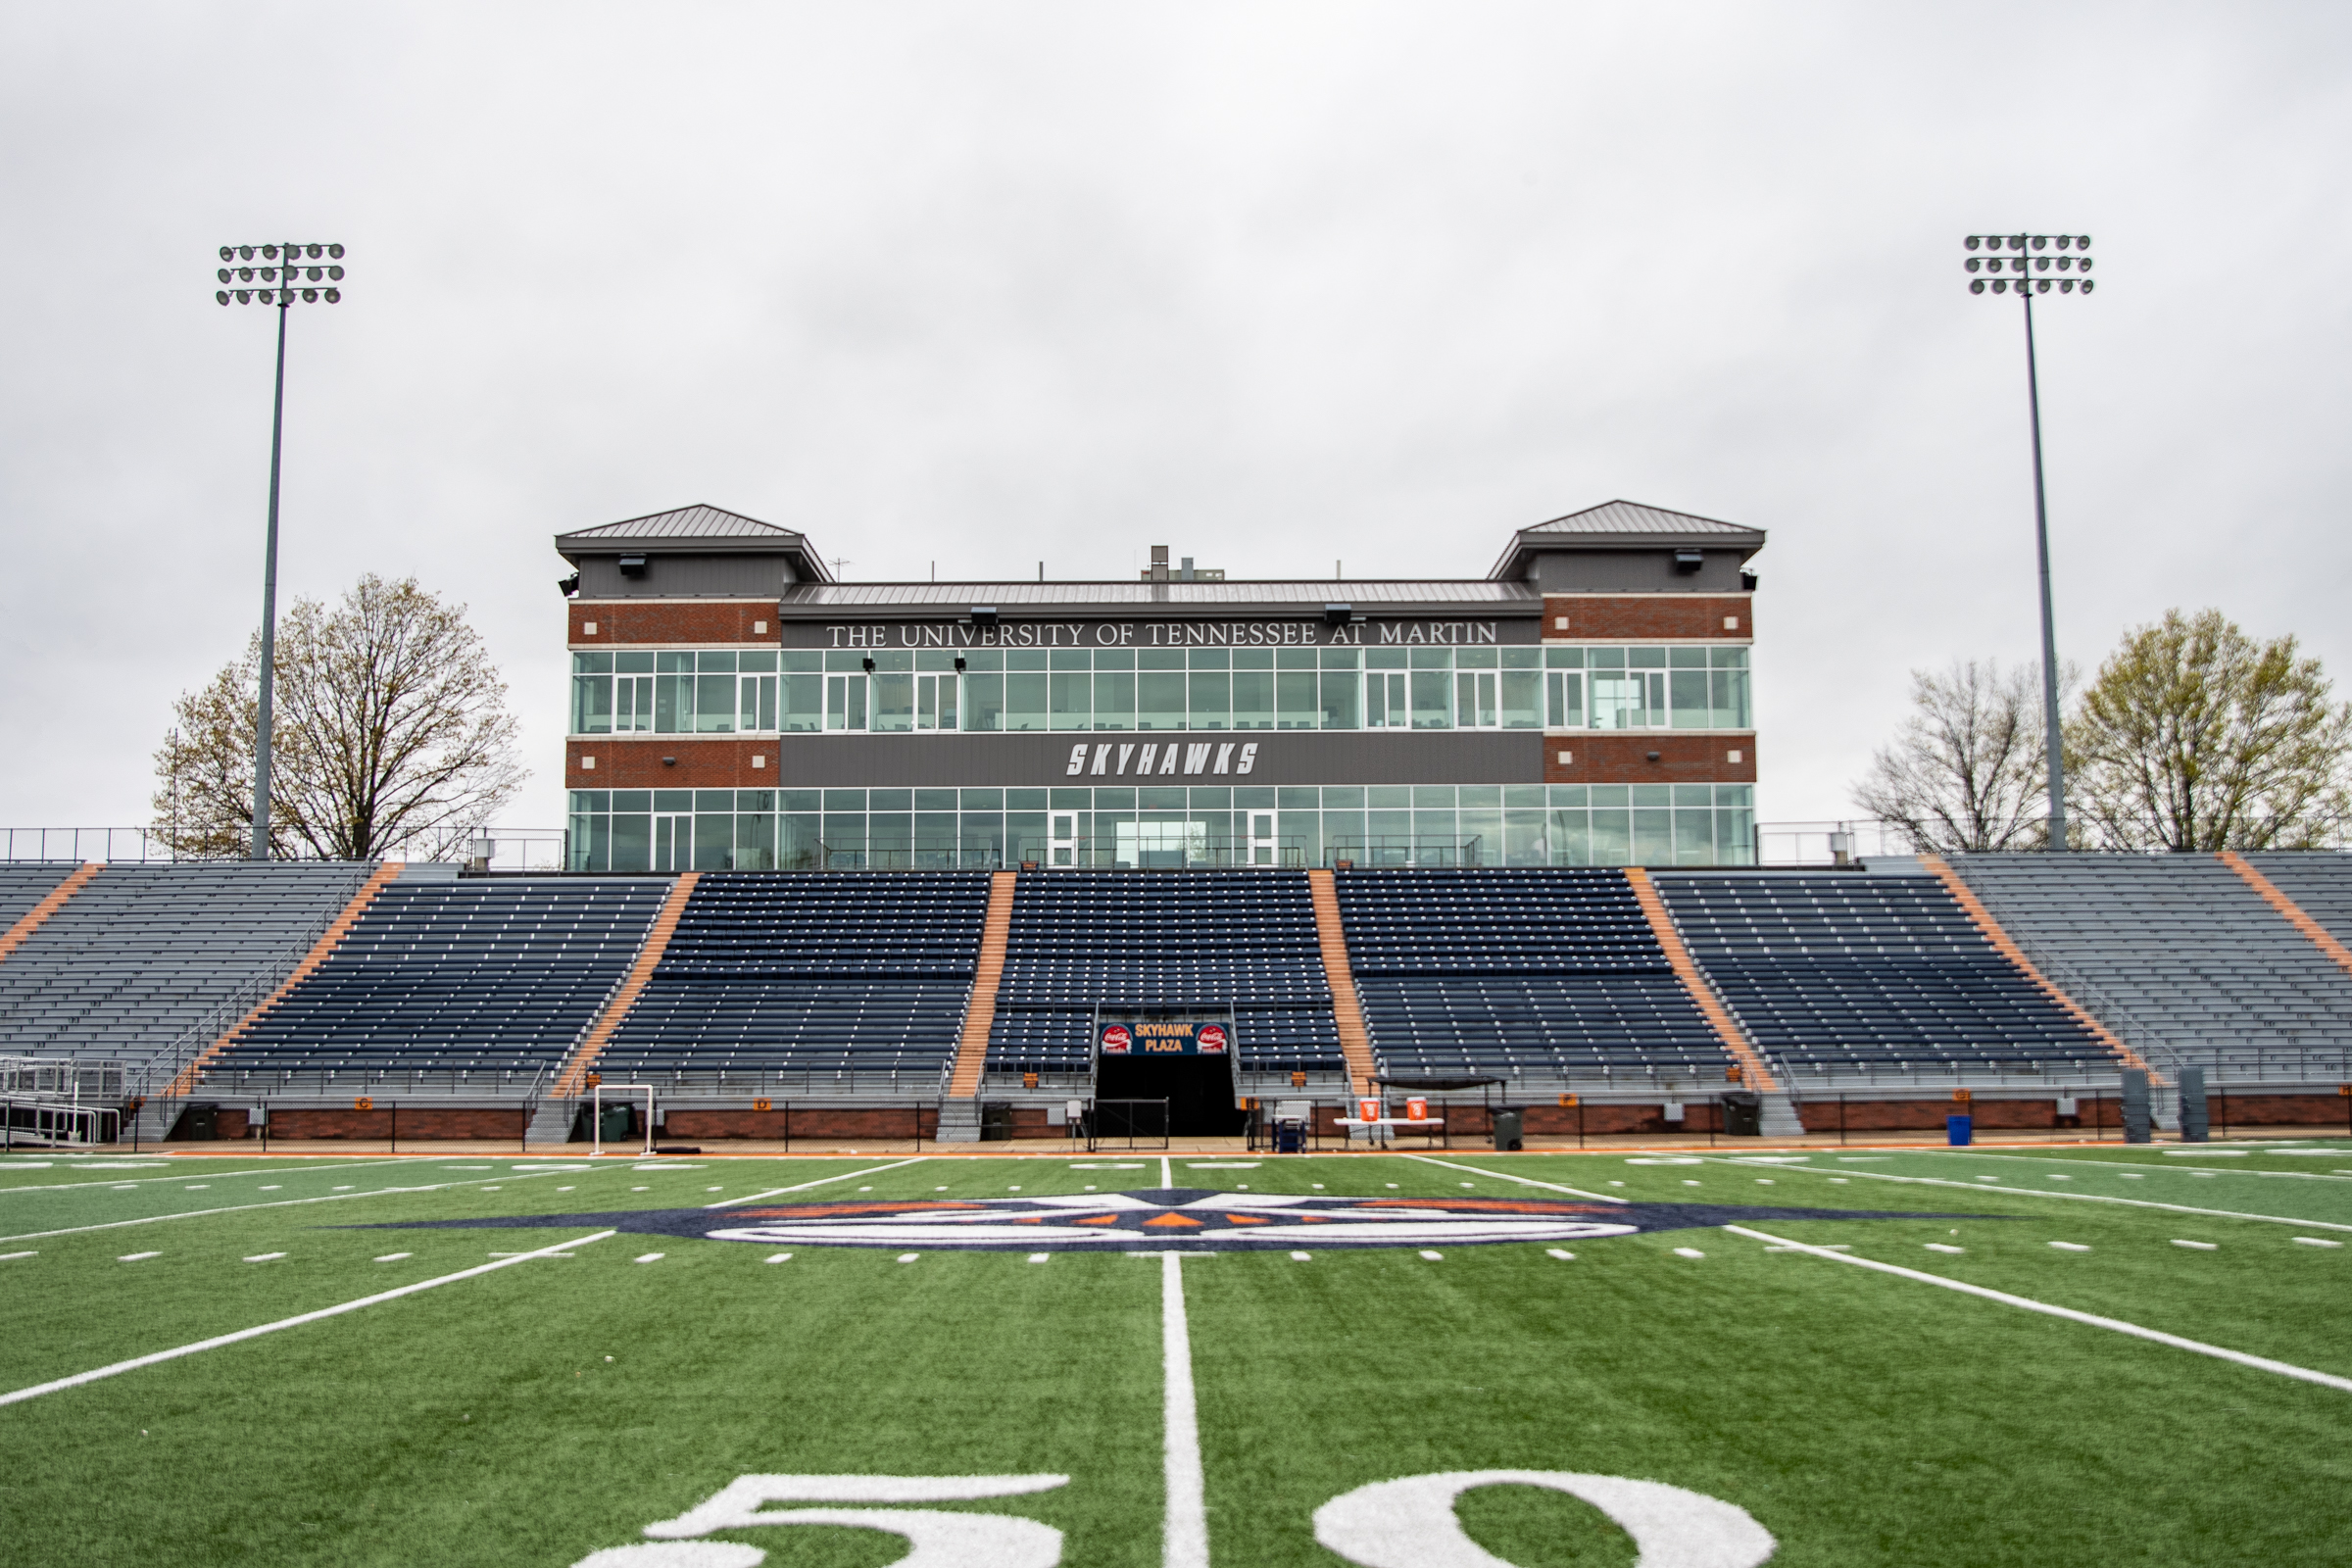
(839, 562)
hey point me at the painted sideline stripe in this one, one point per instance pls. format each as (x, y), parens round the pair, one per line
(276, 1202)
(223, 1175)
(2262, 1363)
(2034, 1192)
(213, 1344)
(1530, 1180)
(1184, 1531)
(774, 1192)
(2144, 1165)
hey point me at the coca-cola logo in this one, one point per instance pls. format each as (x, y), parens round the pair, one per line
(1212, 1039)
(1116, 1041)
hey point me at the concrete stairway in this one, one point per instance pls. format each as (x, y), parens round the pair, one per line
(1346, 1008)
(552, 1122)
(960, 1116)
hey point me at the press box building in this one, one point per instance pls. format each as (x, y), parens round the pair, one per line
(1587, 702)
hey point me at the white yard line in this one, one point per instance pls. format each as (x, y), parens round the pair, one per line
(213, 1344)
(2147, 1165)
(777, 1192)
(1184, 1534)
(1167, 1172)
(223, 1175)
(1530, 1180)
(276, 1202)
(2036, 1192)
(2262, 1363)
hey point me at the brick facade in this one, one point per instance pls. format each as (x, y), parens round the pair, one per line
(1633, 617)
(1623, 758)
(672, 620)
(634, 762)
(424, 1124)
(879, 1122)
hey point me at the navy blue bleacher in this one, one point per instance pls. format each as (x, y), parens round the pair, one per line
(1835, 971)
(1180, 940)
(837, 972)
(495, 975)
(1545, 971)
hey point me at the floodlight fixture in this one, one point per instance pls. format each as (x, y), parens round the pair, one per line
(284, 275)
(2018, 274)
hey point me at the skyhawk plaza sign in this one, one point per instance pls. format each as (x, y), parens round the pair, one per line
(1164, 1037)
(1047, 634)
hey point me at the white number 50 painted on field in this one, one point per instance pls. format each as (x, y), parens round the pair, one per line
(1407, 1523)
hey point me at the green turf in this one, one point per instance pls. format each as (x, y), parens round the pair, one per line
(1861, 1418)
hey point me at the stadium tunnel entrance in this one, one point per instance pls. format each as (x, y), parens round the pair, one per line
(1186, 1058)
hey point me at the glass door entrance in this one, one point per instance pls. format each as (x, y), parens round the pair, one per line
(673, 842)
(1261, 838)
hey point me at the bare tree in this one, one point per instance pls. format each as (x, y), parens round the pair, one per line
(391, 731)
(2195, 737)
(1968, 772)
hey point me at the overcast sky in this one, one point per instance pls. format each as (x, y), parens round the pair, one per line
(1272, 284)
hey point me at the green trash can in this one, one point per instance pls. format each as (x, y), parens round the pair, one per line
(616, 1126)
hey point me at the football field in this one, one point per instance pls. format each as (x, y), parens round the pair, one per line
(1704, 1360)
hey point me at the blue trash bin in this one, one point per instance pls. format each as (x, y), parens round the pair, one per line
(1958, 1131)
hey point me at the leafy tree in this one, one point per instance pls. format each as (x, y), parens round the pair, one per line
(2195, 737)
(391, 733)
(1967, 773)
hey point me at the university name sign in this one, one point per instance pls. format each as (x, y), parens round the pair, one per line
(1160, 634)
(1157, 759)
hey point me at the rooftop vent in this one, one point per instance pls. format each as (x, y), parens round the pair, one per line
(1687, 562)
(632, 566)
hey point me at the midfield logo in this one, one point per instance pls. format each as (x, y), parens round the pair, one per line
(1164, 1219)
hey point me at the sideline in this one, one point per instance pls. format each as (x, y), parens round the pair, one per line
(1530, 1180)
(2185, 1170)
(1184, 1532)
(2030, 1192)
(222, 1175)
(2286, 1369)
(774, 1192)
(213, 1344)
(503, 1177)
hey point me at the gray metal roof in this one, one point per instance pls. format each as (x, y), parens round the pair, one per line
(687, 522)
(1633, 518)
(962, 596)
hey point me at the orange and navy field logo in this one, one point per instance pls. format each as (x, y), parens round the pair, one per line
(1163, 1219)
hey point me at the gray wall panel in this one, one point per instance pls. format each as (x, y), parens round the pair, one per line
(681, 576)
(1635, 572)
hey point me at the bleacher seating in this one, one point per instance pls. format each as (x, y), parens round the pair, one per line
(1174, 940)
(834, 972)
(24, 884)
(1544, 972)
(141, 953)
(1832, 971)
(478, 976)
(2320, 881)
(2176, 954)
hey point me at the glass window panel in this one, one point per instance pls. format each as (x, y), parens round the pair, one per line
(1114, 699)
(1024, 661)
(633, 663)
(1686, 693)
(1343, 658)
(980, 835)
(1612, 837)
(935, 660)
(674, 664)
(1294, 700)
(983, 702)
(894, 703)
(1253, 658)
(893, 660)
(1430, 709)
(755, 842)
(1294, 659)
(716, 663)
(1522, 699)
(673, 800)
(756, 663)
(714, 705)
(1482, 836)
(1686, 658)
(888, 799)
(1384, 658)
(1651, 795)
(1025, 701)
(1211, 697)
(1523, 838)
(1387, 837)
(1158, 659)
(1570, 840)
(1620, 701)
(796, 838)
(1384, 705)
(632, 841)
(1209, 659)
(889, 837)
(1566, 795)
(1728, 658)
(674, 704)
(1253, 695)
(714, 800)
(1297, 838)
(592, 664)
(1070, 698)
(1160, 697)
(800, 702)
(1025, 835)
(1432, 658)
(1340, 695)
(1731, 699)
(1475, 658)
(1435, 839)
(1563, 659)
(1605, 658)
(844, 702)
(713, 842)
(1024, 799)
(1734, 838)
(632, 800)
(1564, 698)
(843, 840)
(590, 705)
(1522, 658)
(1694, 838)
(1646, 659)
(801, 662)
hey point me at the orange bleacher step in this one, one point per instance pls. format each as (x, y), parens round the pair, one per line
(2273, 896)
(1966, 896)
(996, 933)
(31, 919)
(1346, 1011)
(1753, 1074)
(572, 1077)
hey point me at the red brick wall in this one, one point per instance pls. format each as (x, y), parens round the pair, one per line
(1472, 1122)
(633, 763)
(1637, 616)
(2277, 1110)
(672, 620)
(1623, 758)
(421, 1124)
(878, 1122)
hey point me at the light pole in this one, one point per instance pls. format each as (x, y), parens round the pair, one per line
(305, 267)
(2019, 263)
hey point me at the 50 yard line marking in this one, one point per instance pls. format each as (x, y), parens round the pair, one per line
(2284, 1369)
(1184, 1531)
(217, 1341)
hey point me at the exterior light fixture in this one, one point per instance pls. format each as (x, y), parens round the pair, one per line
(274, 273)
(2071, 260)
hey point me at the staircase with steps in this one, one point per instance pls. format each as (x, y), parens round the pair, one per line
(959, 1114)
(552, 1122)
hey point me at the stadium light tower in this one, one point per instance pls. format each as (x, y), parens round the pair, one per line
(285, 272)
(2019, 264)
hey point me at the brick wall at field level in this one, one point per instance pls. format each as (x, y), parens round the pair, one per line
(419, 1122)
